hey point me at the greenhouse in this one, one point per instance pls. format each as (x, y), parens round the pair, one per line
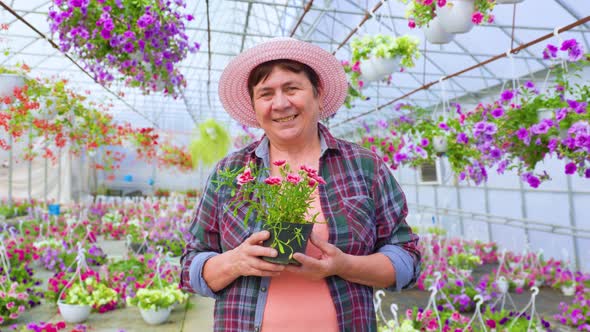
(292, 165)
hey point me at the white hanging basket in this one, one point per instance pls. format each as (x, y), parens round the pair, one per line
(455, 16)
(374, 69)
(440, 144)
(73, 313)
(544, 113)
(435, 33)
(465, 273)
(507, 2)
(155, 317)
(8, 82)
(502, 285)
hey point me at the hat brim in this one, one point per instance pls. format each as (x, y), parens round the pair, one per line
(233, 84)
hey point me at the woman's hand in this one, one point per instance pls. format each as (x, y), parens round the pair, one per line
(331, 261)
(245, 259)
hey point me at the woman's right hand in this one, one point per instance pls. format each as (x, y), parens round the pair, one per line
(245, 259)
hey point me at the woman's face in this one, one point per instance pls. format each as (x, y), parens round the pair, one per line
(286, 107)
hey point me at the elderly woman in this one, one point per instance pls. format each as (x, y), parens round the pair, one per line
(286, 87)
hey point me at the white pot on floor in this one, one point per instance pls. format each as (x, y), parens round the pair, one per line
(155, 317)
(73, 313)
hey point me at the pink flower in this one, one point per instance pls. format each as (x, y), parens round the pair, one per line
(294, 178)
(245, 177)
(279, 163)
(22, 296)
(411, 24)
(21, 308)
(477, 18)
(427, 2)
(2, 295)
(441, 3)
(10, 305)
(356, 67)
(491, 18)
(311, 183)
(13, 315)
(273, 180)
(344, 63)
(455, 316)
(361, 84)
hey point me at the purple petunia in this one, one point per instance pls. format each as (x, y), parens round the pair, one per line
(462, 138)
(570, 168)
(550, 52)
(424, 142)
(498, 112)
(507, 95)
(532, 180)
(443, 126)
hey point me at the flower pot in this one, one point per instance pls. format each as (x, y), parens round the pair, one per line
(538, 283)
(369, 70)
(506, 2)
(455, 16)
(386, 66)
(568, 290)
(465, 273)
(435, 33)
(8, 82)
(155, 317)
(137, 248)
(287, 238)
(544, 113)
(518, 282)
(502, 285)
(73, 313)
(440, 144)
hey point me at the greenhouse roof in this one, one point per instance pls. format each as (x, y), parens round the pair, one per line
(239, 24)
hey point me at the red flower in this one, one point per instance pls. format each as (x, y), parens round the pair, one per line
(273, 180)
(245, 177)
(279, 163)
(294, 178)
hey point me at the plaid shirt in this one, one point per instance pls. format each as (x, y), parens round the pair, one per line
(365, 209)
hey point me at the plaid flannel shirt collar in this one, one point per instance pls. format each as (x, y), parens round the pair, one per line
(261, 150)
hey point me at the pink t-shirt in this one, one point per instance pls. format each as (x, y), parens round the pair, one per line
(298, 304)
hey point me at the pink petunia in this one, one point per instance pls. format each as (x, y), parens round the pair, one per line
(411, 24)
(441, 3)
(10, 305)
(477, 18)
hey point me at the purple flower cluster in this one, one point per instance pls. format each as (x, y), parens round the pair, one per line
(575, 51)
(143, 44)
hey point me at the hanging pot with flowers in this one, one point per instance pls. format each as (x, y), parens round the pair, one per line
(139, 42)
(381, 55)
(459, 16)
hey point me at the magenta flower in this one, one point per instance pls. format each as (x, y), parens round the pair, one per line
(279, 163)
(477, 18)
(424, 142)
(443, 126)
(498, 112)
(273, 180)
(570, 168)
(441, 3)
(294, 178)
(507, 95)
(411, 24)
(550, 52)
(245, 177)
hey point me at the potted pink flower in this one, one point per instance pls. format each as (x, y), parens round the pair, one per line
(281, 203)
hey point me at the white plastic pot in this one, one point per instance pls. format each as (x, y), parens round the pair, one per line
(440, 144)
(465, 273)
(8, 82)
(502, 285)
(369, 71)
(507, 2)
(544, 113)
(73, 313)
(435, 33)
(568, 291)
(386, 67)
(155, 317)
(455, 16)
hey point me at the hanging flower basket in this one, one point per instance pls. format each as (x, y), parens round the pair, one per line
(503, 285)
(155, 317)
(545, 113)
(455, 17)
(138, 42)
(435, 33)
(74, 313)
(568, 290)
(375, 68)
(440, 144)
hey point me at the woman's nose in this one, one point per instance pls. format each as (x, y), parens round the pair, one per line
(280, 101)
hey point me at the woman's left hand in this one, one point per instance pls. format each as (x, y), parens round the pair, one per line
(331, 261)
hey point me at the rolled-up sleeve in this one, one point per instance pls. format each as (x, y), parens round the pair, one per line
(203, 244)
(395, 238)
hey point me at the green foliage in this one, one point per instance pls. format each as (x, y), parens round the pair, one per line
(211, 144)
(155, 299)
(387, 47)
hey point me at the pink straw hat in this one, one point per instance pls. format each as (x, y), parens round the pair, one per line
(233, 84)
